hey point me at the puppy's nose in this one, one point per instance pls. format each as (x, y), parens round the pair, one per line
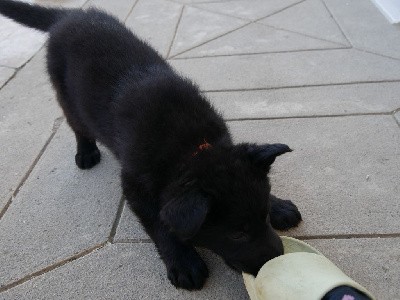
(279, 247)
(271, 249)
(274, 250)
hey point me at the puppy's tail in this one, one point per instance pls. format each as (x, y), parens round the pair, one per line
(33, 16)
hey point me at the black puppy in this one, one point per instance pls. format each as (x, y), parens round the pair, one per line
(182, 175)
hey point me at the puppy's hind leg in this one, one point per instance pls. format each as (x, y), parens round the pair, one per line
(284, 214)
(87, 153)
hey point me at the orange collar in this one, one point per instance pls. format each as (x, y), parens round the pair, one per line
(202, 147)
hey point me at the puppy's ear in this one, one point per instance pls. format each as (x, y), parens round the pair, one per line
(264, 155)
(185, 214)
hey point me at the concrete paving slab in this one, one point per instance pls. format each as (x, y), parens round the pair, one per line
(198, 26)
(308, 101)
(155, 21)
(343, 173)
(311, 18)
(60, 3)
(5, 74)
(373, 262)
(18, 43)
(27, 112)
(200, 1)
(120, 8)
(126, 271)
(60, 211)
(287, 69)
(250, 10)
(257, 38)
(366, 27)
(129, 227)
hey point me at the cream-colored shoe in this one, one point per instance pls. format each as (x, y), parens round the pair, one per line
(302, 273)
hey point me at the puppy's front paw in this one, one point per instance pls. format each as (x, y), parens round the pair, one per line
(187, 271)
(284, 215)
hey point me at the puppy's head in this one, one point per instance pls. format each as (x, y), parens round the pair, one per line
(222, 203)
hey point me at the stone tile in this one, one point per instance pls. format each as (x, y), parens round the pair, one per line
(126, 271)
(5, 74)
(18, 43)
(251, 10)
(343, 173)
(200, 1)
(256, 38)
(129, 227)
(287, 69)
(366, 27)
(155, 21)
(60, 211)
(59, 3)
(120, 8)
(27, 112)
(198, 26)
(311, 18)
(308, 101)
(372, 262)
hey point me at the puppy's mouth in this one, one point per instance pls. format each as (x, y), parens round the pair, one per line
(238, 268)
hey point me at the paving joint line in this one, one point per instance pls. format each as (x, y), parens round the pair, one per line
(56, 125)
(306, 35)
(258, 53)
(378, 54)
(309, 117)
(215, 12)
(337, 23)
(349, 45)
(8, 67)
(300, 86)
(9, 79)
(279, 11)
(210, 40)
(267, 16)
(348, 236)
(249, 21)
(117, 219)
(17, 70)
(86, 2)
(176, 30)
(52, 267)
(130, 11)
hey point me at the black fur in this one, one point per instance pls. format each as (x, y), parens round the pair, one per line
(37, 17)
(117, 90)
